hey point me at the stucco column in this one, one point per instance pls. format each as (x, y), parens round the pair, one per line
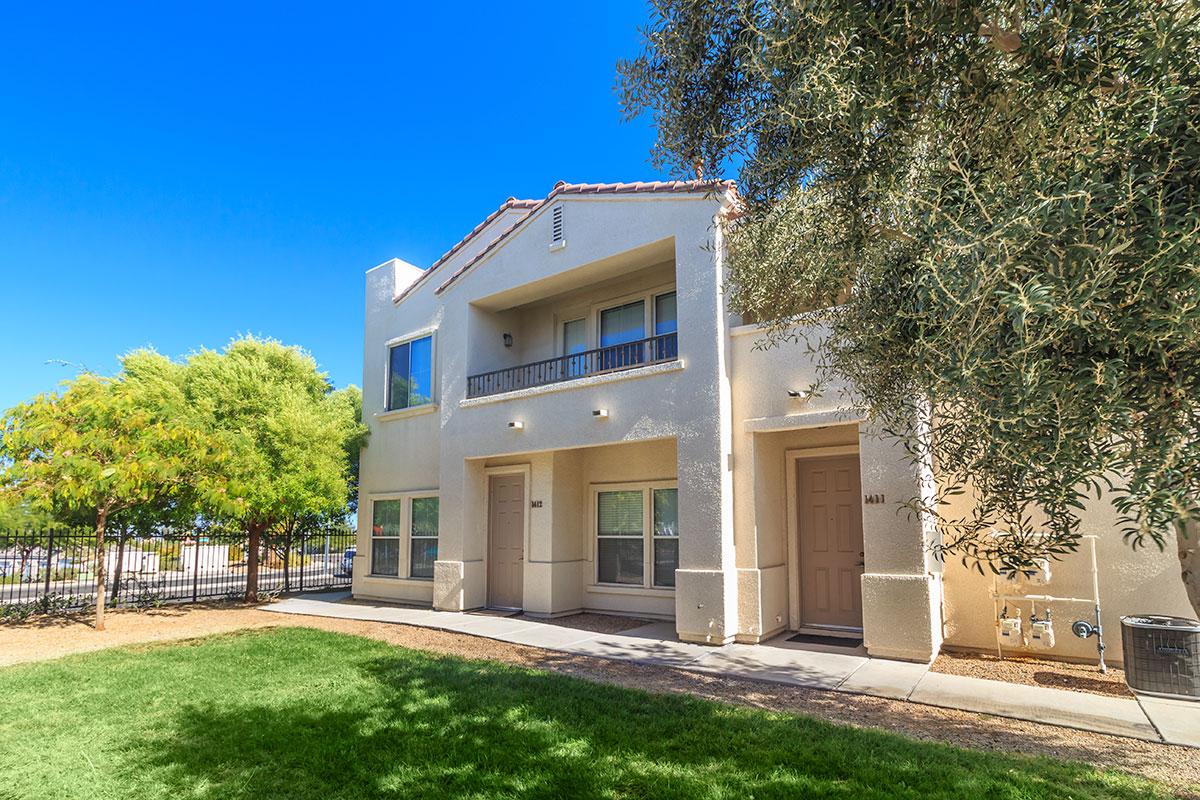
(458, 574)
(706, 581)
(901, 584)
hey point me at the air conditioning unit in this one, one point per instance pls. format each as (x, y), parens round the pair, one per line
(1162, 655)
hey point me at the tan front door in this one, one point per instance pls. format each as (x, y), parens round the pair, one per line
(506, 540)
(831, 541)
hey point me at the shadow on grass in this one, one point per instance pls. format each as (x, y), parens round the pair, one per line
(426, 726)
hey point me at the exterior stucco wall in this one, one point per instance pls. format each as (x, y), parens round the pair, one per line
(719, 421)
(1145, 581)
(559, 571)
(615, 246)
(901, 584)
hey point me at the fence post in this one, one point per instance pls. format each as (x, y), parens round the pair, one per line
(195, 568)
(120, 566)
(49, 558)
(303, 541)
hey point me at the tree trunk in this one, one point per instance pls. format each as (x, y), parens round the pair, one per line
(101, 523)
(254, 539)
(1188, 536)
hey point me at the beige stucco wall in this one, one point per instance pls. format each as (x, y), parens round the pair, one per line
(522, 288)
(559, 571)
(719, 421)
(901, 583)
(1145, 581)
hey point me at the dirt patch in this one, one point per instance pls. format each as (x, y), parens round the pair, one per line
(53, 637)
(594, 623)
(1174, 766)
(1032, 671)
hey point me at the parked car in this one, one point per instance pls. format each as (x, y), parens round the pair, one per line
(347, 567)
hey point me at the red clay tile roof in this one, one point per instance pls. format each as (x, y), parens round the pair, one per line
(510, 203)
(560, 188)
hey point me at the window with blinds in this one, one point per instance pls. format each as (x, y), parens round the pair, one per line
(626, 544)
(423, 537)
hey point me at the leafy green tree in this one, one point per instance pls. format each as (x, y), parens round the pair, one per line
(990, 210)
(288, 432)
(22, 516)
(103, 447)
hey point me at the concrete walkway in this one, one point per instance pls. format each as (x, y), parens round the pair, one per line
(780, 661)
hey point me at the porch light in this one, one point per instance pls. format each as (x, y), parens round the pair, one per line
(797, 394)
(508, 340)
(516, 425)
(600, 413)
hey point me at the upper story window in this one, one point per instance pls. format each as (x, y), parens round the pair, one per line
(410, 374)
(622, 324)
(665, 318)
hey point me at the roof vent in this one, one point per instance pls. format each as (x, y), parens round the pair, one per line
(557, 234)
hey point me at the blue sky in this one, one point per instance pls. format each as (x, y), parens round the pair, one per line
(173, 175)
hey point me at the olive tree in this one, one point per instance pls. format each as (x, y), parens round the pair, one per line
(990, 210)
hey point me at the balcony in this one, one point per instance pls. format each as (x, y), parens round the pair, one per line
(601, 361)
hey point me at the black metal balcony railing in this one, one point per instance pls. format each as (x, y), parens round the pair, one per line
(614, 358)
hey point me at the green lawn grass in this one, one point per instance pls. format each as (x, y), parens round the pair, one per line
(298, 713)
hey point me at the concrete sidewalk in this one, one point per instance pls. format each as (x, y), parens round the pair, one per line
(780, 661)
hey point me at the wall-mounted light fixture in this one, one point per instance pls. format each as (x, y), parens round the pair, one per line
(516, 425)
(797, 394)
(600, 413)
(508, 340)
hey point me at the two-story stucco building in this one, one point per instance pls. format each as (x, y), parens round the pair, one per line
(565, 416)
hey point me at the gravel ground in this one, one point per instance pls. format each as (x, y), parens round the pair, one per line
(1035, 672)
(1176, 767)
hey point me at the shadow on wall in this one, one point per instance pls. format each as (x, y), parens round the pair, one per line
(413, 725)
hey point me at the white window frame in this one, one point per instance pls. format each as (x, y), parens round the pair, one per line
(590, 312)
(434, 387)
(404, 557)
(647, 489)
(654, 311)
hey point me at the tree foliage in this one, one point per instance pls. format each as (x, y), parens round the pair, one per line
(104, 447)
(289, 435)
(251, 438)
(1009, 192)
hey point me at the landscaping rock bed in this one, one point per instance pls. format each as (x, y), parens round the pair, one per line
(1032, 671)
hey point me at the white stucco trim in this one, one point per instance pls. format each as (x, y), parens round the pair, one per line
(629, 591)
(578, 383)
(420, 333)
(401, 413)
(746, 330)
(526, 222)
(811, 419)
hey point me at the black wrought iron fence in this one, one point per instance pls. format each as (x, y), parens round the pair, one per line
(55, 570)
